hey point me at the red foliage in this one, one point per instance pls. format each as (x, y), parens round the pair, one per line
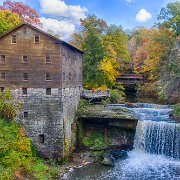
(25, 12)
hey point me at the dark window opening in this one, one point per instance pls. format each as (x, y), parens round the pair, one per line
(25, 58)
(75, 77)
(25, 30)
(24, 91)
(25, 76)
(64, 76)
(13, 39)
(48, 91)
(2, 89)
(37, 39)
(70, 76)
(48, 59)
(25, 115)
(2, 59)
(3, 75)
(41, 138)
(48, 77)
(80, 77)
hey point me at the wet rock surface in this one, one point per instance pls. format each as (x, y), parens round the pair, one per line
(108, 160)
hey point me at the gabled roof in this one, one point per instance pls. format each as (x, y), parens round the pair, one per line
(41, 31)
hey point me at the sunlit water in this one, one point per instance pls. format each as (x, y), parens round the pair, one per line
(156, 151)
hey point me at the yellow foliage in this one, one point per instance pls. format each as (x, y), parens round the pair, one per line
(109, 67)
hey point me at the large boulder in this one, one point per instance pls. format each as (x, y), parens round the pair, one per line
(108, 160)
(119, 154)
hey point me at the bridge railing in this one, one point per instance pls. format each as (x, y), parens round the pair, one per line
(96, 93)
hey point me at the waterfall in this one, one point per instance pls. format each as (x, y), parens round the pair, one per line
(156, 133)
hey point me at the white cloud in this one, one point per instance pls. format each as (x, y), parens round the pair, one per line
(143, 16)
(58, 8)
(62, 28)
(129, 1)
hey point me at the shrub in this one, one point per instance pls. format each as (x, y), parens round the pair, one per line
(95, 139)
(115, 96)
(17, 155)
(7, 108)
(176, 109)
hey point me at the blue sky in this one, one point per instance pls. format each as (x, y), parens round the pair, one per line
(128, 13)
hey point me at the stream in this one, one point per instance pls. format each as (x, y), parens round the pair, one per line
(156, 153)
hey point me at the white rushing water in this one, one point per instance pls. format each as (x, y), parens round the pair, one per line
(156, 154)
(156, 133)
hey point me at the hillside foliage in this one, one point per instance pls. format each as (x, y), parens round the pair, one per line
(18, 157)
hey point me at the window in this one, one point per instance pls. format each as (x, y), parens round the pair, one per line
(64, 76)
(2, 89)
(70, 76)
(25, 115)
(3, 75)
(25, 59)
(75, 77)
(69, 61)
(75, 61)
(24, 91)
(80, 78)
(2, 59)
(48, 91)
(25, 76)
(13, 39)
(25, 30)
(41, 138)
(48, 59)
(37, 38)
(48, 77)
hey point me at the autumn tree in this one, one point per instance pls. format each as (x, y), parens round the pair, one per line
(25, 12)
(113, 45)
(8, 20)
(116, 54)
(149, 48)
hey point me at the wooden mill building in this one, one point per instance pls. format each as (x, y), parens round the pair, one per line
(45, 74)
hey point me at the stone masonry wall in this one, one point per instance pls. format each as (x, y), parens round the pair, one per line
(44, 124)
(70, 99)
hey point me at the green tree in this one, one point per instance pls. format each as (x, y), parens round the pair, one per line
(169, 17)
(115, 42)
(91, 23)
(8, 20)
(93, 55)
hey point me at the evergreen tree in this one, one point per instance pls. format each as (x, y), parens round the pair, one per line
(93, 55)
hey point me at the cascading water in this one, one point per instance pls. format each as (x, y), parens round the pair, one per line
(156, 133)
(156, 151)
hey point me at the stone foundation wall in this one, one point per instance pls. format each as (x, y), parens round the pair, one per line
(70, 99)
(44, 123)
(50, 118)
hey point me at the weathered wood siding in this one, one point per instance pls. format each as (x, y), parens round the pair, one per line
(71, 68)
(36, 66)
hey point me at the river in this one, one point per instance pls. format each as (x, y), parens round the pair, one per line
(156, 153)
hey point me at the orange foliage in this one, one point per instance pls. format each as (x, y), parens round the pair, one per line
(148, 53)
